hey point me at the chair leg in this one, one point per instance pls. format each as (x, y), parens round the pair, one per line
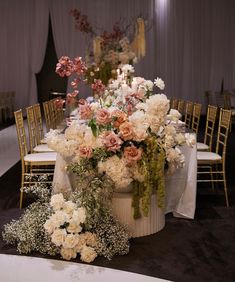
(21, 192)
(225, 190)
(212, 178)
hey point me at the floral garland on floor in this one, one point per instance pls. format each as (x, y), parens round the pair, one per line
(54, 225)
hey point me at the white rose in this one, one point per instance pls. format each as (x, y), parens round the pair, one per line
(59, 218)
(190, 139)
(81, 242)
(58, 237)
(88, 254)
(70, 241)
(180, 138)
(57, 201)
(79, 215)
(49, 226)
(159, 83)
(68, 254)
(69, 207)
(74, 227)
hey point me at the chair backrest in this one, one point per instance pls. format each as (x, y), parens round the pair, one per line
(38, 121)
(188, 114)
(223, 130)
(21, 134)
(210, 125)
(47, 115)
(181, 106)
(53, 113)
(174, 104)
(31, 128)
(197, 108)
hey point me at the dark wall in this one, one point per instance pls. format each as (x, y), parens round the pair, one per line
(47, 80)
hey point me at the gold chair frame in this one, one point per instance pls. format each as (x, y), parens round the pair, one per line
(210, 127)
(197, 108)
(35, 147)
(39, 124)
(188, 114)
(31, 164)
(216, 161)
(181, 107)
(174, 104)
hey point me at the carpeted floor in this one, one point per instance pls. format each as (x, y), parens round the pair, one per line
(202, 249)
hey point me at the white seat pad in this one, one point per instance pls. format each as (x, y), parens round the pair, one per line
(203, 156)
(202, 146)
(42, 148)
(41, 157)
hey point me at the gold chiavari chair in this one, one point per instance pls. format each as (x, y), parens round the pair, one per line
(215, 161)
(174, 104)
(209, 131)
(181, 107)
(197, 108)
(47, 115)
(31, 164)
(39, 124)
(188, 114)
(35, 147)
(53, 113)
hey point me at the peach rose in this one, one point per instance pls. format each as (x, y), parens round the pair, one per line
(85, 152)
(103, 117)
(132, 154)
(111, 141)
(85, 111)
(82, 102)
(118, 118)
(126, 131)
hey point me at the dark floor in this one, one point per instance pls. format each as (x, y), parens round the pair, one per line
(199, 250)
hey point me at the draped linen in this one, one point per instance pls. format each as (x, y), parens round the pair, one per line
(23, 33)
(191, 44)
(195, 46)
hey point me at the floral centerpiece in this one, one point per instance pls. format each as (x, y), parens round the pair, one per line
(124, 135)
(124, 138)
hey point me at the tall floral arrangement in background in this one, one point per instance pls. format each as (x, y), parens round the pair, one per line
(111, 49)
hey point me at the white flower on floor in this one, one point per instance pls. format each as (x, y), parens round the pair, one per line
(68, 254)
(88, 254)
(65, 226)
(57, 201)
(58, 237)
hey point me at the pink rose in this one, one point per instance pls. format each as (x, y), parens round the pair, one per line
(111, 141)
(82, 102)
(126, 131)
(85, 111)
(85, 152)
(132, 154)
(103, 117)
(118, 118)
(59, 103)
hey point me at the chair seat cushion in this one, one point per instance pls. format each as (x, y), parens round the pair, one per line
(41, 157)
(202, 146)
(210, 156)
(42, 148)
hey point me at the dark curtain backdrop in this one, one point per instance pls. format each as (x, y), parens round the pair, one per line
(191, 44)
